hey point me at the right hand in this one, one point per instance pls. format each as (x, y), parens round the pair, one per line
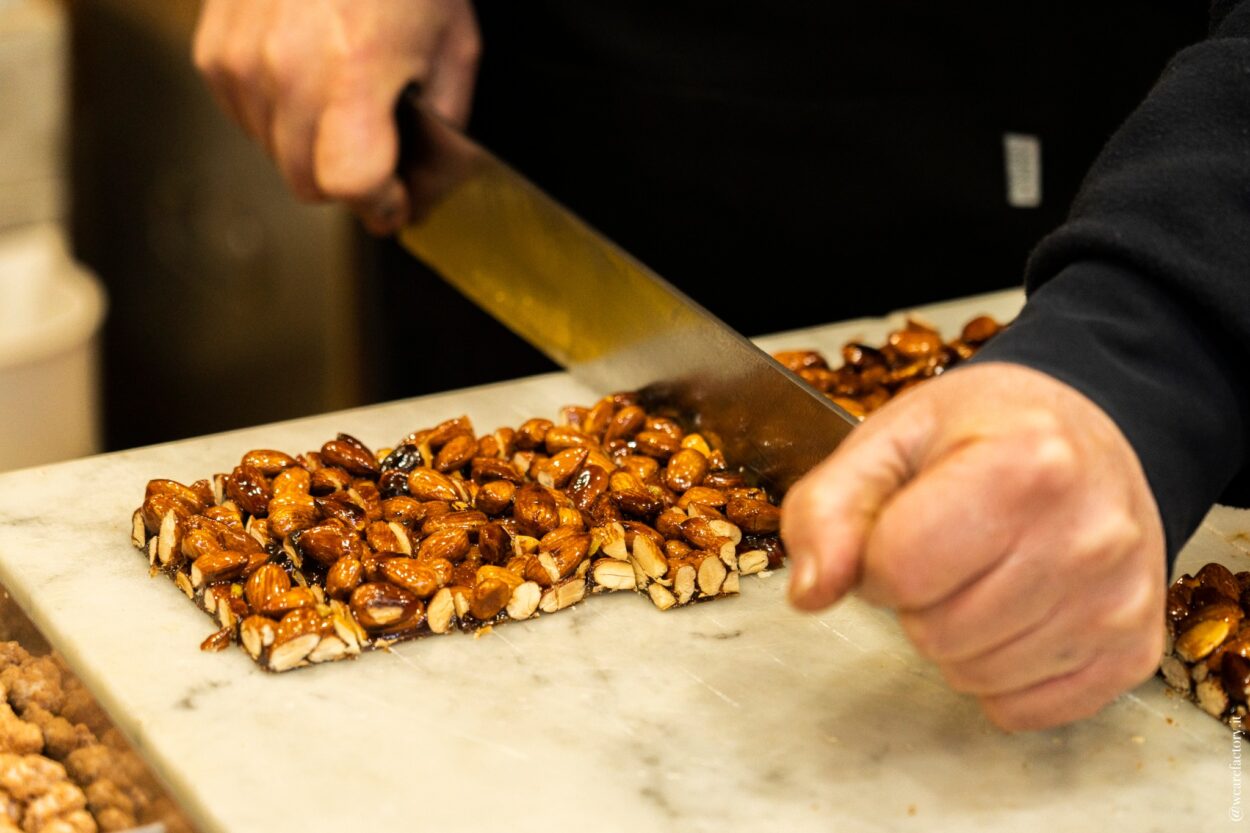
(315, 83)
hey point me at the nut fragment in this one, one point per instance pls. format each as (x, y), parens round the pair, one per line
(661, 597)
(712, 574)
(524, 600)
(611, 574)
(648, 557)
(565, 594)
(441, 611)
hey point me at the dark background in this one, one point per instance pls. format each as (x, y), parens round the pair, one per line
(787, 164)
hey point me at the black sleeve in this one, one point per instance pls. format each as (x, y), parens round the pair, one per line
(1141, 300)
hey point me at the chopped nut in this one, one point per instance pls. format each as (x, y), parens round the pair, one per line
(661, 597)
(524, 601)
(562, 595)
(612, 574)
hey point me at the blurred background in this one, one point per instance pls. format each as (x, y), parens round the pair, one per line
(124, 189)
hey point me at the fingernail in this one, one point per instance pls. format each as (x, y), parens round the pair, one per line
(806, 575)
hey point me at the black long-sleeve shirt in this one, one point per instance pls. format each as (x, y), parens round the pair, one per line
(1141, 300)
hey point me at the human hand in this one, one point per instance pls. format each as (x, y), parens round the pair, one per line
(1008, 521)
(315, 82)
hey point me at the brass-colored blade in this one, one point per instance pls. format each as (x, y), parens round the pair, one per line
(595, 310)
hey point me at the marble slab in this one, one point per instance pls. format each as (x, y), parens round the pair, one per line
(741, 714)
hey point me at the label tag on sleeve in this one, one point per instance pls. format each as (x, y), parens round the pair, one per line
(1022, 157)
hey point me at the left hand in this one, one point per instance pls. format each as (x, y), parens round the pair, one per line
(1009, 522)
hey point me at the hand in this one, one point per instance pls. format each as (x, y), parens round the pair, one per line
(315, 82)
(1009, 522)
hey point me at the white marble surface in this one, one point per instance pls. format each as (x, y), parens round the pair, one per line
(736, 715)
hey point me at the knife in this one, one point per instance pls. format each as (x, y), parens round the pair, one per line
(593, 309)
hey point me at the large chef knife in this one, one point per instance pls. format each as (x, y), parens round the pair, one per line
(595, 310)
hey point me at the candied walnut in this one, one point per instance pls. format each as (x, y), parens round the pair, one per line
(111, 819)
(58, 802)
(90, 763)
(12, 653)
(76, 821)
(26, 776)
(10, 809)
(60, 737)
(18, 736)
(36, 681)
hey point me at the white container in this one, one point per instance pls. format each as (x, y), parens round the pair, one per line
(50, 315)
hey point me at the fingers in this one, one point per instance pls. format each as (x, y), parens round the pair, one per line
(355, 157)
(316, 85)
(827, 516)
(1074, 696)
(961, 516)
(228, 52)
(449, 89)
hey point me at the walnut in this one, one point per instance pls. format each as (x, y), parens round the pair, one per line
(37, 681)
(105, 793)
(90, 763)
(12, 653)
(26, 776)
(60, 737)
(111, 819)
(16, 735)
(77, 821)
(10, 809)
(61, 800)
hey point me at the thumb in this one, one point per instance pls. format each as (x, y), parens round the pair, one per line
(827, 516)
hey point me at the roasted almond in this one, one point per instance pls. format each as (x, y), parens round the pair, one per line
(489, 598)
(685, 469)
(536, 508)
(428, 484)
(452, 544)
(248, 487)
(217, 566)
(280, 604)
(754, 517)
(267, 461)
(265, 583)
(326, 544)
(408, 573)
(380, 605)
(344, 577)
(456, 453)
(560, 437)
(351, 455)
(467, 519)
(405, 510)
(339, 508)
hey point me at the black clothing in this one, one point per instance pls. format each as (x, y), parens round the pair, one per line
(847, 156)
(1142, 299)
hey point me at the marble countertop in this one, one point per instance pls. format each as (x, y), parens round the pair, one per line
(741, 714)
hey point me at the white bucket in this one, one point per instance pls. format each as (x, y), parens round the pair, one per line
(50, 314)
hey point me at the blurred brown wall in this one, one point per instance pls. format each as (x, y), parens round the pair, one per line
(231, 304)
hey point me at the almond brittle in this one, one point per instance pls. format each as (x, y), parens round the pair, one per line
(321, 556)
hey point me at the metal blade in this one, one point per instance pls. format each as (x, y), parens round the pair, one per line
(595, 310)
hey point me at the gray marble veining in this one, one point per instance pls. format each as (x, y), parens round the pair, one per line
(737, 715)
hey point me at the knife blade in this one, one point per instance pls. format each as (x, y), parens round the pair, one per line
(598, 312)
